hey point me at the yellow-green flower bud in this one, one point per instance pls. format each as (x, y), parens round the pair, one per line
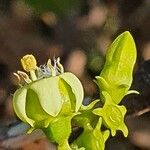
(116, 76)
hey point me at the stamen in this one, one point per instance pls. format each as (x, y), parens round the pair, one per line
(61, 68)
(17, 76)
(33, 75)
(29, 64)
(49, 65)
(24, 76)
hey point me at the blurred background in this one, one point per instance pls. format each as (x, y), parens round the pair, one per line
(79, 32)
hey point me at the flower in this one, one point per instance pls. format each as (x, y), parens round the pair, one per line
(49, 96)
(92, 138)
(112, 115)
(50, 102)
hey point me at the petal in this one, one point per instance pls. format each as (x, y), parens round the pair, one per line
(68, 97)
(90, 106)
(124, 129)
(106, 134)
(49, 96)
(113, 132)
(98, 111)
(33, 107)
(132, 92)
(19, 103)
(76, 87)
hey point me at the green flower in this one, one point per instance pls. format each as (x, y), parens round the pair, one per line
(48, 101)
(92, 138)
(113, 116)
(37, 100)
(51, 99)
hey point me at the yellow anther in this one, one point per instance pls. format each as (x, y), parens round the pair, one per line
(29, 63)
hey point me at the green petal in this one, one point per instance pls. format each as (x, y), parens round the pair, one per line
(102, 83)
(76, 87)
(33, 107)
(107, 98)
(106, 135)
(124, 129)
(90, 106)
(98, 111)
(113, 117)
(30, 130)
(113, 132)
(132, 92)
(49, 96)
(99, 124)
(19, 103)
(120, 59)
(68, 97)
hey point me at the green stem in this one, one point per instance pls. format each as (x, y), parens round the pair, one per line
(64, 146)
(59, 131)
(33, 75)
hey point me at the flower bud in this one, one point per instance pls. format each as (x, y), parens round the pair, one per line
(116, 76)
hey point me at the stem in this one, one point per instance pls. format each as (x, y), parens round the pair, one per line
(64, 146)
(33, 75)
(59, 131)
